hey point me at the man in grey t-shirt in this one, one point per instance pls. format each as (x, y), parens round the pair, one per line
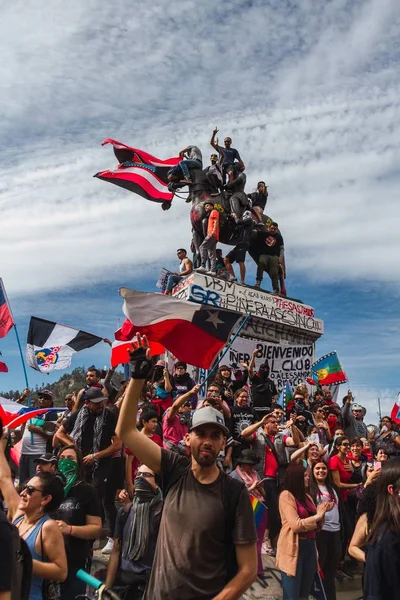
(207, 539)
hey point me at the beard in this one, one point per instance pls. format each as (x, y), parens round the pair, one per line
(204, 460)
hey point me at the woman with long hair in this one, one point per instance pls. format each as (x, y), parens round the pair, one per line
(329, 540)
(29, 511)
(245, 472)
(78, 518)
(310, 453)
(229, 386)
(296, 553)
(382, 569)
(341, 468)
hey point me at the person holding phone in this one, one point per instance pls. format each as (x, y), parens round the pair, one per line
(387, 439)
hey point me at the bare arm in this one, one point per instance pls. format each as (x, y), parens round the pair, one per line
(147, 451)
(299, 454)
(78, 402)
(359, 539)
(111, 449)
(180, 401)
(188, 267)
(63, 436)
(246, 556)
(339, 484)
(213, 143)
(113, 564)
(90, 531)
(7, 488)
(248, 431)
(167, 381)
(128, 474)
(252, 363)
(53, 548)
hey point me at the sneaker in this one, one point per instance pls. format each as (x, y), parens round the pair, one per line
(108, 547)
(213, 273)
(201, 270)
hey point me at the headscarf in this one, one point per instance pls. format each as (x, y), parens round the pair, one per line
(137, 539)
(69, 468)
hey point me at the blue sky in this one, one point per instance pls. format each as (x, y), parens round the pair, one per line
(308, 92)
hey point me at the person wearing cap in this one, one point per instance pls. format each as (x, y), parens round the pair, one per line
(47, 463)
(176, 419)
(182, 382)
(214, 175)
(209, 244)
(92, 378)
(263, 389)
(229, 155)
(245, 472)
(185, 268)
(259, 200)
(238, 254)
(36, 441)
(92, 429)
(208, 512)
(353, 419)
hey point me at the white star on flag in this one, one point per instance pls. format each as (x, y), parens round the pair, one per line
(213, 318)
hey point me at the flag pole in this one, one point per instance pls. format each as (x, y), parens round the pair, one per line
(211, 372)
(18, 340)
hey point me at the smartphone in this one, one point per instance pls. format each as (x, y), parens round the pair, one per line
(313, 438)
(377, 465)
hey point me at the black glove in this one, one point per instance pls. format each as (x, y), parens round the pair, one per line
(140, 365)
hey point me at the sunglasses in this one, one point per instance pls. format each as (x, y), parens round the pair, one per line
(145, 475)
(30, 489)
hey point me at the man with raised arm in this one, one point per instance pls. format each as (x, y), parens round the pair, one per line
(206, 548)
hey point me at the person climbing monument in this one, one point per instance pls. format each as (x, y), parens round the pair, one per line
(270, 245)
(209, 246)
(229, 155)
(259, 200)
(214, 175)
(191, 158)
(238, 200)
(185, 268)
(244, 227)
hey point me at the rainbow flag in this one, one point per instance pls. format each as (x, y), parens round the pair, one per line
(328, 370)
(259, 510)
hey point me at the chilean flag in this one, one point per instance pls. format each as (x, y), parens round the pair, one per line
(6, 320)
(119, 351)
(194, 333)
(395, 414)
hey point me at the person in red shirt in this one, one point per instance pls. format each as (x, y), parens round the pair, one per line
(341, 467)
(208, 249)
(149, 422)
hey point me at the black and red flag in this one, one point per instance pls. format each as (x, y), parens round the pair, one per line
(140, 172)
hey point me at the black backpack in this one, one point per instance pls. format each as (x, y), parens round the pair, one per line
(22, 567)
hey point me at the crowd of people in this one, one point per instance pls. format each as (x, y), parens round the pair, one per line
(227, 179)
(188, 466)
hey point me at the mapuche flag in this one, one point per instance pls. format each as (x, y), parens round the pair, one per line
(328, 370)
(6, 320)
(194, 333)
(50, 346)
(140, 172)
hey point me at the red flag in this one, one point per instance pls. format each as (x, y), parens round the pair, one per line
(194, 333)
(395, 414)
(119, 351)
(6, 320)
(3, 368)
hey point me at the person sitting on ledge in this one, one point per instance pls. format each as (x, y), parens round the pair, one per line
(185, 268)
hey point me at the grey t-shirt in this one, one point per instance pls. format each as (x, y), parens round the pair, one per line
(191, 554)
(194, 153)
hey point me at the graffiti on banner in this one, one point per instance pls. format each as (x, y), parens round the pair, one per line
(290, 364)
